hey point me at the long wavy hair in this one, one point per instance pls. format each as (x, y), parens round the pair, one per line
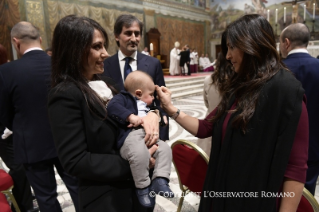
(71, 43)
(253, 35)
(223, 70)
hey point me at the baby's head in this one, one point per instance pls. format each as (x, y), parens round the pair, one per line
(140, 85)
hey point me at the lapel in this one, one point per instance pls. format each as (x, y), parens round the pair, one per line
(114, 70)
(142, 64)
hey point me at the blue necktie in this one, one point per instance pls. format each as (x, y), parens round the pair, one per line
(127, 67)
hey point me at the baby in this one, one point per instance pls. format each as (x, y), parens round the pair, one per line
(127, 108)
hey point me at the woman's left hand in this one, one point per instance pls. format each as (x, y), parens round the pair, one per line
(151, 127)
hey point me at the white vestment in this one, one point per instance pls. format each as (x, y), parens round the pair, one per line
(191, 56)
(205, 63)
(195, 57)
(174, 68)
(202, 61)
(146, 53)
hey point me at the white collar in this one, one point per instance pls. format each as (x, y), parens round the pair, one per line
(101, 89)
(31, 49)
(123, 56)
(298, 51)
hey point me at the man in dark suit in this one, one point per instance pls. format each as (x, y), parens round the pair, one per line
(293, 46)
(128, 32)
(24, 86)
(188, 60)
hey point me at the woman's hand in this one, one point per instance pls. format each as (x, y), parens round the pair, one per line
(187, 122)
(164, 96)
(151, 127)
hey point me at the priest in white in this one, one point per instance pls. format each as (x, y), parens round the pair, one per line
(205, 63)
(174, 68)
(194, 61)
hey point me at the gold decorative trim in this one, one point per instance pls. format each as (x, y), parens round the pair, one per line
(311, 199)
(149, 12)
(178, 6)
(194, 146)
(183, 188)
(35, 15)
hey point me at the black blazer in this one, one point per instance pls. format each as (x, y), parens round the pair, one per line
(119, 108)
(24, 87)
(184, 58)
(145, 63)
(306, 69)
(86, 146)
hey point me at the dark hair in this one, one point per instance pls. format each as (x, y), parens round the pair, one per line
(298, 34)
(125, 20)
(253, 35)
(223, 69)
(71, 43)
(3, 55)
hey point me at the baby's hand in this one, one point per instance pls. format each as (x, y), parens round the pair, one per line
(134, 121)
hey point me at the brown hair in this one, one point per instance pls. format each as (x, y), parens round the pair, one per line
(3, 55)
(223, 70)
(253, 35)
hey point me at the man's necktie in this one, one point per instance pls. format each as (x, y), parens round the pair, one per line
(127, 67)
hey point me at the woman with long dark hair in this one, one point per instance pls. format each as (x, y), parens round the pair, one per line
(213, 90)
(259, 129)
(85, 137)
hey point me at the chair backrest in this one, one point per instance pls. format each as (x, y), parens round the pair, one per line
(308, 203)
(191, 164)
(4, 205)
(5, 180)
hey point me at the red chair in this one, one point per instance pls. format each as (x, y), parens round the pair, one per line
(307, 202)
(4, 205)
(6, 185)
(191, 163)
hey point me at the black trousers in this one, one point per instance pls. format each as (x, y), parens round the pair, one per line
(42, 179)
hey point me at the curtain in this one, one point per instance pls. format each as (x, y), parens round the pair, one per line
(9, 16)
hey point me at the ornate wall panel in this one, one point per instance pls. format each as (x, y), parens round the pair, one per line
(184, 31)
(104, 16)
(149, 19)
(35, 15)
(9, 16)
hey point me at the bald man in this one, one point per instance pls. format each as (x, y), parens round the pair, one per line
(24, 86)
(293, 46)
